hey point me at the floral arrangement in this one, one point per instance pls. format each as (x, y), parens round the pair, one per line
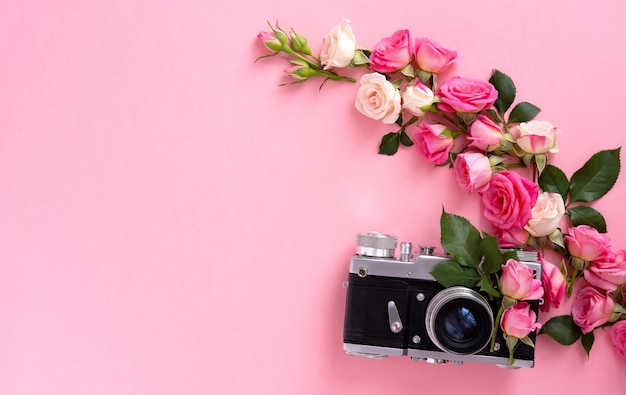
(499, 151)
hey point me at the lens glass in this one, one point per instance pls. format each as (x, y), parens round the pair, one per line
(460, 324)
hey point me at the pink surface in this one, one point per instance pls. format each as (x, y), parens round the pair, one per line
(173, 222)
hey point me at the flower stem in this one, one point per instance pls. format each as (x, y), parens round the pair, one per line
(495, 328)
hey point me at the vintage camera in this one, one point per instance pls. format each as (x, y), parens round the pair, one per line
(394, 307)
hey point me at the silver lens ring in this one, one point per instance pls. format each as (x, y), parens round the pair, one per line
(442, 300)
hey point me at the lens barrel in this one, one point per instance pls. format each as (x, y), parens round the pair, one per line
(459, 321)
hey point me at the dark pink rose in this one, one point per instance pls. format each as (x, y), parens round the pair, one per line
(519, 320)
(587, 243)
(392, 53)
(618, 338)
(553, 285)
(508, 201)
(432, 56)
(432, 143)
(472, 171)
(460, 94)
(484, 134)
(518, 281)
(590, 309)
(608, 271)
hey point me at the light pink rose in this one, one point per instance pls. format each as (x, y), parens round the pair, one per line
(536, 137)
(417, 98)
(392, 53)
(339, 46)
(472, 171)
(519, 320)
(518, 281)
(553, 285)
(608, 271)
(508, 201)
(460, 94)
(591, 309)
(432, 143)
(377, 98)
(546, 214)
(586, 243)
(617, 334)
(484, 134)
(432, 56)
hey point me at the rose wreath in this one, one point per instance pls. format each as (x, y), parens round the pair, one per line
(500, 152)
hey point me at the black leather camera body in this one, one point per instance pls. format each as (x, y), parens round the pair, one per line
(394, 307)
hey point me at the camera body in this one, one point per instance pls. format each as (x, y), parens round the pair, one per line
(394, 307)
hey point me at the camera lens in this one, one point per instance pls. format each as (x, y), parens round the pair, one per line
(459, 321)
(460, 324)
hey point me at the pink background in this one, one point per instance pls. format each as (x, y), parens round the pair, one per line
(173, 222)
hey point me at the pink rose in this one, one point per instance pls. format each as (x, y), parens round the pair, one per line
(591, 309)
(508, 201)
(518, 281)
(553, 285)
(618, 338)
(484, 134)
(512, 237)
(608, 271)
(392, 53)
(546, 214)
(432, 143)
(377, 98)
(519, 320)
(339, 46)
(432, 56)
(472, 171)
(536, 137)
(460, 94)
(587, 243)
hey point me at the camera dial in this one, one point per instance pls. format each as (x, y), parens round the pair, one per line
(376, 244)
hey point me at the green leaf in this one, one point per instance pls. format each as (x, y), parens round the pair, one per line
(399, 120)
(523, 112)
(487, 286)
(587, 342)
(506, 90)
(494, 116)
(526, 340)
(552, 179)
(585, 215)
(405, 139)
(493, 256)
(360, 58)
(389, 144)
(461, 239)
(408, 71)
(596, 177)
(562, 329)
(451, 273)
(511, 254)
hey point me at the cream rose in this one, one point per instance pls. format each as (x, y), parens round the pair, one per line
(546, 214)
(536, 137)
(339, 46)
(417, 99)
(377, 98)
